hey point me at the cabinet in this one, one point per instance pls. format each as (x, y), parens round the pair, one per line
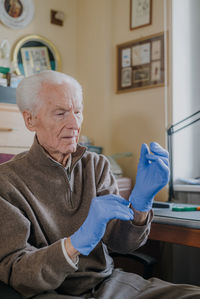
(14, 136)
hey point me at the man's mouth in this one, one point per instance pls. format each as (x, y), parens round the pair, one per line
(69, 137)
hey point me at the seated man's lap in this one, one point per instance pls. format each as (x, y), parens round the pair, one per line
(129, 285)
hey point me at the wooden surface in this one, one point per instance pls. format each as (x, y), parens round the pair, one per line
(175, 234)
(14, 136)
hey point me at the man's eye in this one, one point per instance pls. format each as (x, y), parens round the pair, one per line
(60, 113)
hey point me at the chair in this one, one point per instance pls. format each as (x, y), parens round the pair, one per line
(5, 157)
(6, 292)
(148, 262)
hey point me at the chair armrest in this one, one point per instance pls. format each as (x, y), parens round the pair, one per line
(8, 292)
(146, 260)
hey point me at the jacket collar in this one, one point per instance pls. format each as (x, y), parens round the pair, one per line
(39, 154)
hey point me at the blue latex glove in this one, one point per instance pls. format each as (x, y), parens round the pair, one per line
(102, 209)
(152, 176)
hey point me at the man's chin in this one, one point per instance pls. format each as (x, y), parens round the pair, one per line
(70, 149)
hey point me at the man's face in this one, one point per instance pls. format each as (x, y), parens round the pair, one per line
(58, 121)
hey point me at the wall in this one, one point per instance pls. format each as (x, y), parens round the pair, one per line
(118, 122)
(63, 37)
(94, 67)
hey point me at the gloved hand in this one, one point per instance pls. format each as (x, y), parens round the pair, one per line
(152, 176)
(102, 209)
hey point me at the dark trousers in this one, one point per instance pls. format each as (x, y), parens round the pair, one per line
(122, 285)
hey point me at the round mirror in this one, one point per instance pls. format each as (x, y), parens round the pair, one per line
(33, 54)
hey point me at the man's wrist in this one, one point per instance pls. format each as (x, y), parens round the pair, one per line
(72, 252)
(140, 218)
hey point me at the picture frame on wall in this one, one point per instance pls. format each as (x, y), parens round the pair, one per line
(126, 77)
(140, 64)
(16, 14)
(35, 60)
(140, 13)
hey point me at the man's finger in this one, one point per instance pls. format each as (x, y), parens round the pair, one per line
(158, 150)
(151, 157)
(165, 171)
(114, 198)
(119, 214)
(144, 151)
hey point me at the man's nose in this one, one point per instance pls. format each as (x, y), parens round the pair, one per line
(73, 122)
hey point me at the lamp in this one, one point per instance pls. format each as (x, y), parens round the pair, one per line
(184, 123)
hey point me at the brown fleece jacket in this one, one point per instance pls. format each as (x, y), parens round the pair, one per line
(40, 205)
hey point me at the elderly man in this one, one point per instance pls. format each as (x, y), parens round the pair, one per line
(60, 211)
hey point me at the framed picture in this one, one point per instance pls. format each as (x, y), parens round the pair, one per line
(141, 75)
(126, 77)
(33, 54)
(156, 50)
(35, 60)
(141, 54)
(140, 13)
(140, 64)
(126, 57)
(16, 14)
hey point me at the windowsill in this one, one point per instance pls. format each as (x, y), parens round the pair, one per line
(186, 188)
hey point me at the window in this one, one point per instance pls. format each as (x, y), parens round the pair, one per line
(186, 87)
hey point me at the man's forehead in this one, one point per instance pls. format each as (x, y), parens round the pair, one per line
(47, 87)
(63, 90)
(64, 106)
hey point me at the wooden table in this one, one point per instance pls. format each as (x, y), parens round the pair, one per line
(170, 226)
(175, 234)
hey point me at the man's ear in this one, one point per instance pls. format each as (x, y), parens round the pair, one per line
(29, 120)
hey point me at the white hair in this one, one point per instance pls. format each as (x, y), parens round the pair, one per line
(27, 93)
